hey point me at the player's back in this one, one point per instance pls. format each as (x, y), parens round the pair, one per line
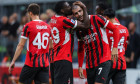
(38, 34)
(123, 37)
(61, 34)
(123, 34)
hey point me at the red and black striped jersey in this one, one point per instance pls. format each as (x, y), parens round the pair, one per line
(62, 37)
(122, 45)
(37, 34)
(96, 42)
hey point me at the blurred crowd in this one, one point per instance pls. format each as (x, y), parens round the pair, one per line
(10, 31)
(11, 28)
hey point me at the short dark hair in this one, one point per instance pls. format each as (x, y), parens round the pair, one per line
(102, 6)
(59, 5)
(34, 8)
(109, 13)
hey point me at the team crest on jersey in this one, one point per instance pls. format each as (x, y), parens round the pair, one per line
(73, 21)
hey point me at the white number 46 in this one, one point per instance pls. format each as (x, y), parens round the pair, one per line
(37, 40)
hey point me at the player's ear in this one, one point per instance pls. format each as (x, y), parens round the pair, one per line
(30, 13)
(62, 11)
(106, 17)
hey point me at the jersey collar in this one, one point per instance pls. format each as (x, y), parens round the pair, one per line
(116, 23)
(37, 20)
(57, 15)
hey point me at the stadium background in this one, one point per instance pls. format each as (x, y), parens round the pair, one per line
(127, 11)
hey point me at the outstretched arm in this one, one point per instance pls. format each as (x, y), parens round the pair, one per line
(19, 49)
(81, 54)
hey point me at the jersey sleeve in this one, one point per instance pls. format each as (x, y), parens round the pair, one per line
(69, 23)
(117, 20)
(108, 25)
(115, 31)
(102, 21)
(25, 32)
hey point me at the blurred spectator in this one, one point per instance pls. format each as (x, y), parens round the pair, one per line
(44, 17)
(133, 46)
(4, 29)
(49, 13)
(15, 16)
(23, 21)
(14, 24)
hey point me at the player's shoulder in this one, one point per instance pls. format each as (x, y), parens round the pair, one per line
(27, 24)
(98, 16)
(59, 17)
(123, 27)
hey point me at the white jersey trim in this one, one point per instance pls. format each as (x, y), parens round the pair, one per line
(57, 15)
(24, 37)
(106, 24)
(89, 16)
(104, 37)
(75, 24)
(28, 44)
(116, 23)
(37, 20)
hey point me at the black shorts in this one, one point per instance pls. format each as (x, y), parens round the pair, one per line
(52, 72)
(63, 72)
(98, 74)
(38, 74)
(117, 76)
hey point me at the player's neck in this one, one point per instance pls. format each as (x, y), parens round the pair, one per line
(132, 32)
(35, 17)
(113, 20)
(60, 14)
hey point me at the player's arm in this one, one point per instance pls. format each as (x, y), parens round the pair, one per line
(20, 46)
(108, 25)
(50, 41)
(19, 49)
(80, 53)
(50, 44)
(115, 31)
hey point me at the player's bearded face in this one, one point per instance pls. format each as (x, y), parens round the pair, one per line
(78, 13)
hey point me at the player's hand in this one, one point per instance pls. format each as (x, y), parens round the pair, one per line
(114, 54)
(127, 59)
(11, 67)
(81, 73)
(80, 4)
